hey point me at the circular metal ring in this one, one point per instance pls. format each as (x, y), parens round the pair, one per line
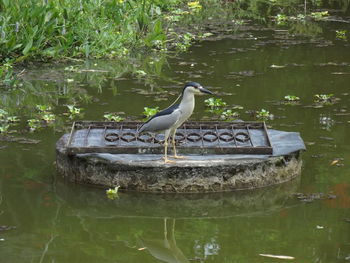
(212, 134)
(244, 139)
(181, 135)
(112, 137)
(133, 137)
(230, 137)
(149, 137)
(195, 137)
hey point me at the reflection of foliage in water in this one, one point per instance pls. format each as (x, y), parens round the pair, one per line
(309, 28)
(45, 93)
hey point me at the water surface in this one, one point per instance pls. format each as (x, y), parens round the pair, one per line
(60, 222)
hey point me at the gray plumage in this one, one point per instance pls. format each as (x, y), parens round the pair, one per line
(171, 118)
(161, 123)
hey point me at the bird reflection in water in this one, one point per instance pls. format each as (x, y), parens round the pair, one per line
(165, 249)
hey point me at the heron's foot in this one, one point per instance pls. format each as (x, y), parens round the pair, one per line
(178, 157)
(166, 160)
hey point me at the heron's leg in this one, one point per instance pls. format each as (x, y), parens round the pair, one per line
(174, 147)
(166, 160)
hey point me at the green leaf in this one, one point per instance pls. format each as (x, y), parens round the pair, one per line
(16, 46)
(35, 29)
(6, 2)
(48, 17)
(28, 47)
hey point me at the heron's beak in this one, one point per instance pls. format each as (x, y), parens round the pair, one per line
(203, 90)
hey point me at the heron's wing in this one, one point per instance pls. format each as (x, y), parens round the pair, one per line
(161, 122)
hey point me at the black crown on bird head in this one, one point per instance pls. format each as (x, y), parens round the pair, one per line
(191, 84)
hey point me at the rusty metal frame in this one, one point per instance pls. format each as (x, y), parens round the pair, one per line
(234, 138)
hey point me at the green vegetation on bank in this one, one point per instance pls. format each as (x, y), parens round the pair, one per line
(113, 28)
(138, 33)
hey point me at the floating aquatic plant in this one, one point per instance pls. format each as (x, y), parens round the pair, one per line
(291, 98)
(74, 111)
(34, 124)
(12, 119)
(229, 115)
(43, 108)
(112, 193)
(340, 34)
(263, 114)
(215, 102)
(319, 15)
(4, 127)
(48, 117)
(3, 114)
(149, 112)
(113, 117)
(194, 6)
(324, 97)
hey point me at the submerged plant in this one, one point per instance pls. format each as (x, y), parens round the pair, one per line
(149, 112)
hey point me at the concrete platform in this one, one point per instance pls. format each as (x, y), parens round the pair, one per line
(196, 173)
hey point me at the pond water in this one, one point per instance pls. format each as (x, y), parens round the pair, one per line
(56, 221)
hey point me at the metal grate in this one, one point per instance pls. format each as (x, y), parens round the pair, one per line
(192, 137)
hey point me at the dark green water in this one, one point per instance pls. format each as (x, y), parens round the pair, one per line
(60, 222)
